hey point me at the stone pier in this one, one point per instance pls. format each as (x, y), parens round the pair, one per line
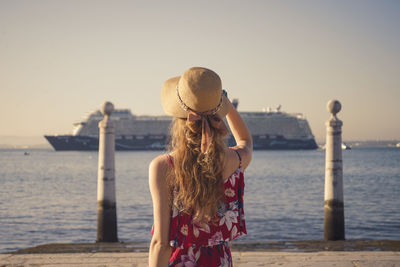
(106, 199)
(333, 206)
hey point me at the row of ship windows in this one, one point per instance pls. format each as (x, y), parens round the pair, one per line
(159, 137)
(269, 136)
(139, 137)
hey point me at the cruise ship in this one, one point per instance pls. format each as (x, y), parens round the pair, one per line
(270, 129)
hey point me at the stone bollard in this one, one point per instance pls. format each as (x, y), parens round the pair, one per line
(333, 208)
(106, 203)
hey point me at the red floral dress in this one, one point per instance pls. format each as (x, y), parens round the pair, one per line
(206, 244)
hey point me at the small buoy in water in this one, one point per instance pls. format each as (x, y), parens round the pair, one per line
(26, 153)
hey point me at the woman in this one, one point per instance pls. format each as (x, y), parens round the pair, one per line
(197, 188)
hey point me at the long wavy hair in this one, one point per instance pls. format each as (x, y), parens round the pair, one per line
(196, 182)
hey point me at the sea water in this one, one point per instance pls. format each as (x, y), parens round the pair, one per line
(51, 197)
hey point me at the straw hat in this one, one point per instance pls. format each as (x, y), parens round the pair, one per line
(198, 89)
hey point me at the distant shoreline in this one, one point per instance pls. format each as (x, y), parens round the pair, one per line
(39, 142)
(353, 144)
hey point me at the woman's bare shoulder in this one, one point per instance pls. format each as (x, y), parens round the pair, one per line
(231, 162)
(159, 161)
(243, 153)
(159, 165)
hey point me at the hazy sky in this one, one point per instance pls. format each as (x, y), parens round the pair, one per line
(60, 60)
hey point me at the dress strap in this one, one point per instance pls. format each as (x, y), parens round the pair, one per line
(240, 158)
(170, 160)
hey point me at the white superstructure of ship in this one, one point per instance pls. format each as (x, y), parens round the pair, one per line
(270, 129)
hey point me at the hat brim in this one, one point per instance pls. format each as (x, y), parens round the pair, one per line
(171, 105)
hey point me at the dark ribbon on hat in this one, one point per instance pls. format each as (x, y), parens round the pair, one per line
(207, 118)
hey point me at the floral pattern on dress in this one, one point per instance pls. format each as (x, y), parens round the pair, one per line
(219, 255)
(229, 192)
(206, 244)
(190, 260)
(230, 217)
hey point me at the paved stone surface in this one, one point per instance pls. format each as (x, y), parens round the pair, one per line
(271, 246)
(240, 258)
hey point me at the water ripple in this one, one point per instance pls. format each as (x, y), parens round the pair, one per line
(52, 196)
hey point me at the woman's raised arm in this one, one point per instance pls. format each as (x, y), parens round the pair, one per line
(244, 141)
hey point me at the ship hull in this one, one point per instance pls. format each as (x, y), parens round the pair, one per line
(89, 143)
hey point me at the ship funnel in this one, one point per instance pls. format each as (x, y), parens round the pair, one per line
(235, 102)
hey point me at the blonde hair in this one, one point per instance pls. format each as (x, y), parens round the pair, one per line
(196, 182)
